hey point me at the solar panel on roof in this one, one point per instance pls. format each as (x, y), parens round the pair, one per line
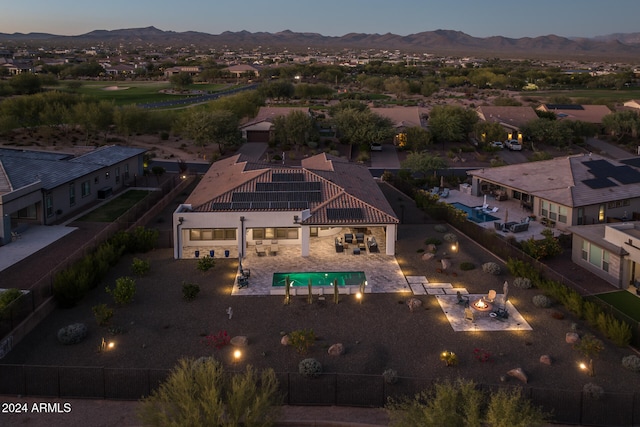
(220, 206)
(599, 183)
(280, 205)
(289, 186)
(275, 196)
(627, 175)
(260, 205)
(241, 206)
(344, 213)
(299, 205)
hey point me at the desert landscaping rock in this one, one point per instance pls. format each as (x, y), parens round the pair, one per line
(519, 374)
(545, 359)
(336, 350)
(413, 303)
(572, 338)
(239, 341)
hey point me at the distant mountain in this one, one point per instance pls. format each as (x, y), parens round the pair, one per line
(441, 42)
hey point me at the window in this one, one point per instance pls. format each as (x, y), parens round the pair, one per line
(275, 233)
(48, 202)
(562, 214)
(126, 171)
(553, 211)
(212, 234)
(72, 194)
(596, 256)
(117, 174)
(544, 208)
(585, 250)
(601, 212)
(85, 188)
(605, 261)
(29, 212)
(581, 219)
(96, 180)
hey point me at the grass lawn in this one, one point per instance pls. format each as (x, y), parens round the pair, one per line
(600, 96)
(139, 92)
(623, 301)
(109, 212)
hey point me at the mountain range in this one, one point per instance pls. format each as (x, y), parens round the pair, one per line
(439, 42)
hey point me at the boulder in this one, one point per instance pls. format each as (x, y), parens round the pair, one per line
(414, 303)
(336, 350)
(285, 340)
(519, 374)
(428, 256)
(572, 338)
(446, 263)
(239, 341)
(431, 248)
(545, 359)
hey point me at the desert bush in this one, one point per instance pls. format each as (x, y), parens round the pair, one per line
(302, 340)
(541, 301)
(491, 268)
(618, 331)
(206, 263)
(390, 376)
(124, 291)
(102, 313)
(72, 334)
(69, 287)
(433, 241)
(592, 391)
(310, 368)
(190, 291)
(522, 282)
(466, 266)
(440, 228)
(590, 312)
(143, 240)
(8, 296)
(450, 237)
(109, 253)
(140, 267)
(631, 362)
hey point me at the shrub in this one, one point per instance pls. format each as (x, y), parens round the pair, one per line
(390, 376)
(302, 340)
(72, 334)
(102, 313)
(69, 287)
(466, 266)
(8, 296)
(522, 283)
(450, 237)
(631, 362)
(618, 331)
(433, 241)
(143, 240)
(440, 228)
(190, 291)
(592, 391)
(140, 267)
(541, 301)
(310, 368)
(218, 340)
(124, 291)
(206, 263)
(491, 268)
(449, 358)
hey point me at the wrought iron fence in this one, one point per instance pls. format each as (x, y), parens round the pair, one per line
(332, 389)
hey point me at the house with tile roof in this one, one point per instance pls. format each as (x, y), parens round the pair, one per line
(567, 191)
(511, 118)
(241, 203)
(584, 113)
(42, 187)
(260, 128)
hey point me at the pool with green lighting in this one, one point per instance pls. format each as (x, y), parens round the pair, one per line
(343, 278)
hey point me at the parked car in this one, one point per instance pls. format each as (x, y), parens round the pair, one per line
(513, 145)
(376, 146)
(496, 144)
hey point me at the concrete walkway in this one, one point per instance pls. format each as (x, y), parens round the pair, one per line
(385, 159)
(608, 150)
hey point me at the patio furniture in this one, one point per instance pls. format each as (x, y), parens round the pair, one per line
(15, 235)
(490, 296)
(498, 225)
(444, 193)
(360, 237)
(339, 245)
(243, 282)
(372, 244)
(260, 248)
(356, 251)
(517, 228)
(507, 225)
(500, 314)
(469, 314)
(273, 249)
(245, 272)
(348, 238)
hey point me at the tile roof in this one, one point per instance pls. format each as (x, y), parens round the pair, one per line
(573, 181)
(402, 116)
(334, 191)
(584, 113)
(509, 116)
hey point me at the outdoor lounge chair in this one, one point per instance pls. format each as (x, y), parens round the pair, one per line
(372, 244)
(490, 296)
(498, 225)
(273, 249)
(444, 193)
(243, 282)
(359, 237)
(518, 227)
(348, 238)
(494, 210)
(339, 245)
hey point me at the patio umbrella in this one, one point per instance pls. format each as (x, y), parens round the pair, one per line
(484, 203)
(442, 181)
(505, 289)
(506, 216)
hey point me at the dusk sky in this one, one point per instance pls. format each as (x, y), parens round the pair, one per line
(510, 18)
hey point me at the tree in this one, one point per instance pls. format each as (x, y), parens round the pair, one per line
(200, 393)
(622, 124)
(204, 126)
(26, 84)
(554, 132)
(418, 139)
(94, 117)
(277, 90)
(489, 131)
(362, 127)
(451, 123)
(423, 163)
(181, 81)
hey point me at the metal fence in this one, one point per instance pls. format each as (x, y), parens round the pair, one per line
(565, 406)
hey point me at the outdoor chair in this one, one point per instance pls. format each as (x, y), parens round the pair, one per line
(517, 228)
(360, 237)
(348, 238)
(490, 296)
(500, 314)
(245, 272)
(339, 245)
(498, 225)
(15, 235)
(445, 193)
(469, 315)
(273, 249)
(372, 244)
(464, 300)
(243, 282)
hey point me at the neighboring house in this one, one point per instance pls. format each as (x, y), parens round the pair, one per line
(191, 70)
(40, 187)
(243, 70)
(511, 118)
(584, 113)
(403, 117)
(566, 191)
(260, 128)
(611, 251)
(241, 201)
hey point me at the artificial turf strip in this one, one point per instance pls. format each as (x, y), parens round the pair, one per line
(624, 301)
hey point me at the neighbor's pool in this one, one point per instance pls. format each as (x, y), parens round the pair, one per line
(475, 215)
(344, 278)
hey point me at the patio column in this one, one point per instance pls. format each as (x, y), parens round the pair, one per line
(391, 239)
(305, 233)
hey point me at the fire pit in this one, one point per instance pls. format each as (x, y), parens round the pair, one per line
(482, 305)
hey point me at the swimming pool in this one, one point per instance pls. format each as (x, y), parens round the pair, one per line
(344, 278)
(475, 215)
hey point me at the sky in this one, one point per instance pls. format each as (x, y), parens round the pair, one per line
(478, 18)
